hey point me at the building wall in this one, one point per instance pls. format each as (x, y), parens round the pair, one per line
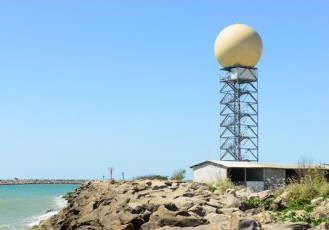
(209, 172)
(257, 186)
(274, 177)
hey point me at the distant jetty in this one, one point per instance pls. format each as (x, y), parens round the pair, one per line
(41, 181)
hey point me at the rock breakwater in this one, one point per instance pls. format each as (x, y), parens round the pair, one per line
(40, 181)
(164, 205)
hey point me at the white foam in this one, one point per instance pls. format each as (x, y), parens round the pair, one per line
(59, 203)
(39, 218)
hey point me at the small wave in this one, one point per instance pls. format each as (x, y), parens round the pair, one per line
(39, 218)
(59, 203)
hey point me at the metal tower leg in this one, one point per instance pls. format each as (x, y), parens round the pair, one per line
(239, 115)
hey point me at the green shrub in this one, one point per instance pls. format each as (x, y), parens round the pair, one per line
(179, 175)
(291, 216)
(311, 184)
(222, 185)
(255, 202)
(151, 177)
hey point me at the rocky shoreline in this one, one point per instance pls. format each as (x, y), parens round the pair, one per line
(41, 181)
(173, 205)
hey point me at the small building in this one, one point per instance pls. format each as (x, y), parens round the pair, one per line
(257, 175)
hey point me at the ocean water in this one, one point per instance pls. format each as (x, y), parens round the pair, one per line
(22, 206)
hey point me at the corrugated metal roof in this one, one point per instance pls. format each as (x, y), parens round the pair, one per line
(246, 164)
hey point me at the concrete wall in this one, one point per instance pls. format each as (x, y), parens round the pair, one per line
(257, 186)
(274, 178)
(209, 172)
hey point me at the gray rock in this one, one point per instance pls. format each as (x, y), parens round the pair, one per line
(209, 209)
(150, 226)
(159, 185)
(253, 196)
(221, 220)
(239, 221)
(179, 221)
(230, 201)
(264, 217)
(322, 226)
(281, 201)
(214, 203)
(249, 224)
(287, 226)
(135, 208)
(229, 211)
(198, 209)
(141, 187)
(317, 201)
(266, 194)
(231, 191)
(320, 212)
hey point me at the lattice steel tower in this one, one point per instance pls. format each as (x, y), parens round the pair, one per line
(238, 49)
(239, 114)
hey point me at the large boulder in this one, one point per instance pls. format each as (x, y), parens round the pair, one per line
(166, 217)
(264, 217)
(322, 226)
(317, 201)
(281, 201)
(245, 224)
(266, 194)
(287, 226)
(320, 212)
(220, 220)
(230, 201)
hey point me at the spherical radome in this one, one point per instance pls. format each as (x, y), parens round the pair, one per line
(238, 45)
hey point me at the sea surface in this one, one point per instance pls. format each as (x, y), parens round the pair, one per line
(22, 206)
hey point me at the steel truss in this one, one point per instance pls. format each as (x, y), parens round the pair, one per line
(239, 116)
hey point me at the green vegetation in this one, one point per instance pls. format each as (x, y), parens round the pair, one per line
(151, 177)
(222, 185)
(179, 175)
(295, 197)
(311, 184)
(35, 227)
(256, 202)
(293, 217)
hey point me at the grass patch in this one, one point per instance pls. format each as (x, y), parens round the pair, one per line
(256, 203)
(222, 185)
(312, 184)
(293, 217)
(151, 177)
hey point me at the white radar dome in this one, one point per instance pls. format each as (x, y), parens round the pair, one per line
(238, 45)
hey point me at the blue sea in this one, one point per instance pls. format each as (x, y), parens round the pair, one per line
(22, 206)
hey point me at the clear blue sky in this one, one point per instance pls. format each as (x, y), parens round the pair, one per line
(85, 85)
